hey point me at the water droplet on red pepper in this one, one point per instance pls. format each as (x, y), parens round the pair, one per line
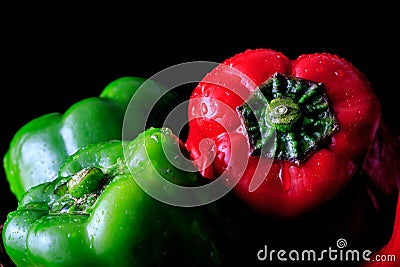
(204, 109)
(339, 73)
(284, 176)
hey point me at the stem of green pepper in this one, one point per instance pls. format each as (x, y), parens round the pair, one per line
(84, 182)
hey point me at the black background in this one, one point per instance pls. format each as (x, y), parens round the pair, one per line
(52, 59)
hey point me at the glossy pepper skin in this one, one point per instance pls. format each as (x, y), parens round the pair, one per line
(296, 181)
(389, 254)
(94, 214)
(39, 147)
(382, 165)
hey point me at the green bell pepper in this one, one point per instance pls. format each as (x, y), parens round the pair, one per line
(39, 147)
(95, 214)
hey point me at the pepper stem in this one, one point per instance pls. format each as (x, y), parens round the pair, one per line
(84, 182)
(296, 109)
(282, 113)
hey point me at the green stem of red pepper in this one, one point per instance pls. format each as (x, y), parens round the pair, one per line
(283, 113)
(297, 109)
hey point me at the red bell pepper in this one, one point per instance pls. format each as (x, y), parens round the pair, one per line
(388, 255)
(313, 120)
(382, 164)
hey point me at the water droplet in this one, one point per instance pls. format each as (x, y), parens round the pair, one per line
(284, 176)
(339, 73)
(204, 108)
(154, 137)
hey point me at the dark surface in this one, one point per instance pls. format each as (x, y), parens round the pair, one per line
(50, 61)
